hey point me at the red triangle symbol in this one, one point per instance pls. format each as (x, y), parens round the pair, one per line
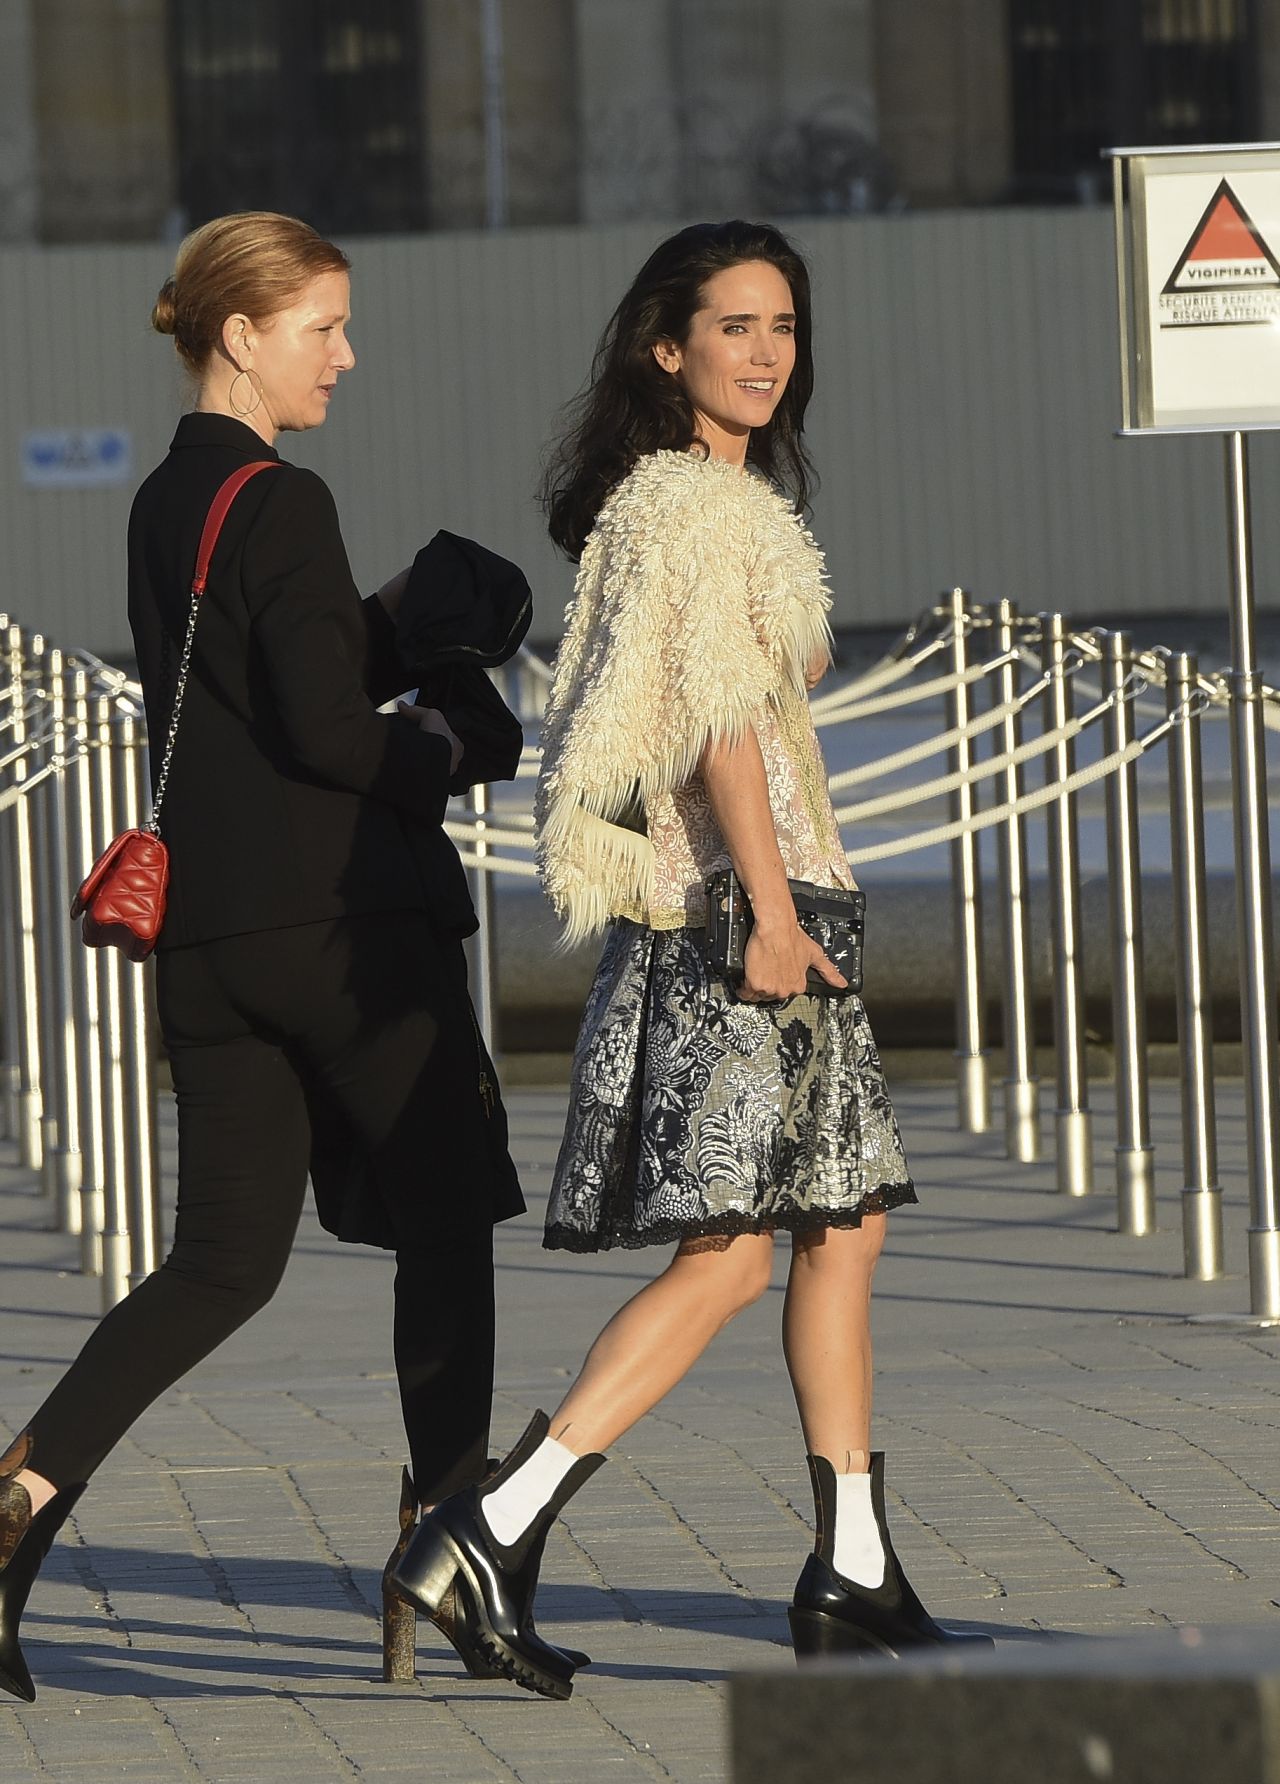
(1226, 235)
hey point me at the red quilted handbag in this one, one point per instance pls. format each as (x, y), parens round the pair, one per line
(122, 901)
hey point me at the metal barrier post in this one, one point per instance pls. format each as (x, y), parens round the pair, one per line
(485, 995)
(141, 1158)
(24, 914)
(61, 1121)
(1072, 1118)
(111, 967)
(10, 1071)
(1021, 1086)
(1202, 1195)
(973, 1086)
(1135, 1185)
(1253, 901)
(82, 832)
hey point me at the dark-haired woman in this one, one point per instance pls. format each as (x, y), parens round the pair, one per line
(678, 742)
(311, 985)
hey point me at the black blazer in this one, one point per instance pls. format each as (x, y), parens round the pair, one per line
(290, 799)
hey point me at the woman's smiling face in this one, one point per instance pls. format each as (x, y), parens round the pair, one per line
(738, 356)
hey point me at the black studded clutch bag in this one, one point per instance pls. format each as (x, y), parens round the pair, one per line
(833, 917)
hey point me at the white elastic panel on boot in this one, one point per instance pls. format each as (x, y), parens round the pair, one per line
(510, 1509)
(859, 1553)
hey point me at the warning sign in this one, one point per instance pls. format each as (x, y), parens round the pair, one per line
(1227, 276)
(1199, 268)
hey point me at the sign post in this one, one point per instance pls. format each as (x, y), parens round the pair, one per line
(1198, 277)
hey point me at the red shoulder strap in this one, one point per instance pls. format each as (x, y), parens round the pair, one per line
(218, 513)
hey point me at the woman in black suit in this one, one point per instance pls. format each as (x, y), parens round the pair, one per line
(311, 984)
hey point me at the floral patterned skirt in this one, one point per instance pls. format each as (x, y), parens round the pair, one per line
(693, 1114)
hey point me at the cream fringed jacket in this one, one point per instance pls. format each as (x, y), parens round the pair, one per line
(699, 604)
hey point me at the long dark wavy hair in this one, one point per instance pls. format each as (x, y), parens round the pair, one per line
(631, 406)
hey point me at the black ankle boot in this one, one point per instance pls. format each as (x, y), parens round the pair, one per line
(25, 1539)
(831, 1615)
(478, 1591)
(399, 1616)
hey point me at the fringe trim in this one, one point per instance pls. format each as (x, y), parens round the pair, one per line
(612, 864)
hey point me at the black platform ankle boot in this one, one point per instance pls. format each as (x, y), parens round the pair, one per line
(478, 1591)
(832, 1615)
(400, 1617)
(25, 1539)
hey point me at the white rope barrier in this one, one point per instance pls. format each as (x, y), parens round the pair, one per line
(883, 674)
(491, 864)
(979, 771)
(945, 740)
(487, 830)
(927, 690)
(983, 820)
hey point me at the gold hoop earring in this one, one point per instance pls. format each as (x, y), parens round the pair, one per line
(255, 386)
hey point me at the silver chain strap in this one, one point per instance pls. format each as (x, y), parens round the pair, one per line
(184, 667)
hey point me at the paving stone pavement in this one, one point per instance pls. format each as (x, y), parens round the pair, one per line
(1067, 1455)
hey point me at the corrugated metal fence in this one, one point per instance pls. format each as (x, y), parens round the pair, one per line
(962, 425)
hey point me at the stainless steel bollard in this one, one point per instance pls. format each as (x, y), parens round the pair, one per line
(1253, 902)
(12, 698)
(485, 990)
(111, 967)
(61, 1121)
(44, 664)
(141, 1159)
(23, 891)
(84, 846)
(973, 1085)
(1021, 1086)
(1202, 1194)
(1072, 1118)
(1135, 1183)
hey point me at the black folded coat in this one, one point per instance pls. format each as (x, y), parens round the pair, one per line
(465, 610)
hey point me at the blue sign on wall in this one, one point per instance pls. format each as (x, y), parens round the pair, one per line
(76, 457)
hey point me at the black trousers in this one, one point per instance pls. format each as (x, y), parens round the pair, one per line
(263, 1031)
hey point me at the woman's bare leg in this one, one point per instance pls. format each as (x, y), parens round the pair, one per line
(826, 1337)
(655, 1339)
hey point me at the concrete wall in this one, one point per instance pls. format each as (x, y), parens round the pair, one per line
(967, 394)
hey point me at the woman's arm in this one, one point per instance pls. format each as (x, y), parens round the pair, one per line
(779, 953)
(385, 674)
(299, 590)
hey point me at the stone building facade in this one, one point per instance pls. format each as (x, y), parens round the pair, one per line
(129, 119)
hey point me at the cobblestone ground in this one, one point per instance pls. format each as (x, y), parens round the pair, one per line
(1066, 1454)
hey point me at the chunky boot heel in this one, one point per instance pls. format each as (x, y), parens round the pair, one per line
(25, 1540)
(399, 1619)
(428, 1567)
(816, 1636)
(831, 1614)
(399, 1640)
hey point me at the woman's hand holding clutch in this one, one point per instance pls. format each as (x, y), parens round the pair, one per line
(777, 963)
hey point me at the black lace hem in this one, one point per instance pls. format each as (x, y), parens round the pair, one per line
(881, 1200)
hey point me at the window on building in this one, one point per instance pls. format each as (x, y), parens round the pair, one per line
(312, 107)
(1095, 74)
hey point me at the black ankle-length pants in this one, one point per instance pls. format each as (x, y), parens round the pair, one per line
(258, 1028)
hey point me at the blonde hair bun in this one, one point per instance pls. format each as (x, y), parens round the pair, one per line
(164, 314)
